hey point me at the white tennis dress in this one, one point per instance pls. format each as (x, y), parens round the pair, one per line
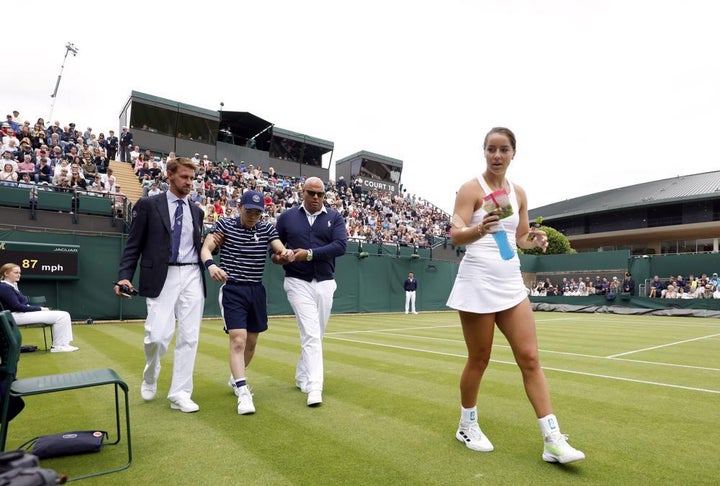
(486, 283)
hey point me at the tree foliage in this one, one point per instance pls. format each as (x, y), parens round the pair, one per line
(558, 244)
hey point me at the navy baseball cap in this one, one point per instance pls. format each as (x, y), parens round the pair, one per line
(252, 200)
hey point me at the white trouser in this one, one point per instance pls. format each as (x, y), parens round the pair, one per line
(409, 301)
(311, 302)
(181, 298)
(60, 320)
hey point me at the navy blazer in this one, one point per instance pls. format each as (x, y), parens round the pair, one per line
(150, 241)
(14, 300)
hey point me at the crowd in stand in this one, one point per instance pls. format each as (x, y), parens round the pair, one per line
(54, 157)
(64, 158)
(692, 287)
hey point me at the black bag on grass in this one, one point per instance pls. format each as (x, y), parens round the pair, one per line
(67, 443)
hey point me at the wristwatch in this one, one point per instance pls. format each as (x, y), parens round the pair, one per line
(309, 256)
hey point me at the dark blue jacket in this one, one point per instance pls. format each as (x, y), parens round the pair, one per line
(327, 238)
(150, 242)
(14, 300)
(410, 285)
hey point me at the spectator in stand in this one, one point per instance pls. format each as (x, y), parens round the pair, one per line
(628, 284)
(118, 198)
(44, 171)
(8, 176)
(111, 145)
(680, 283)
(155, 170)
(37, 136)
(144, 170)
(703, 289)
(656, 287)
(26, 181)
(582, 289)
(77, 182)
(615, 286)
(134, 156)
(12, 123)
(691, 284)
(126, 144)
(97, 184)
(211, 216)
(89, 168)
(713, 281)
(154, 189)
(61, 171)
(7, 158)
(27, 166)
(683, 294)
(670, 281)
(670, 292)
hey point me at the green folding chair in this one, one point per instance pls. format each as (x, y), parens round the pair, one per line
(10, 341)
(39, 301)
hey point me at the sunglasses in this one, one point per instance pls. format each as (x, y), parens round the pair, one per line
(315, 193)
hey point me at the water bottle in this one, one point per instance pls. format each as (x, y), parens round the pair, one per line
(503, 244)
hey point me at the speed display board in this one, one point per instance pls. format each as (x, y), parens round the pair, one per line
(41, 260)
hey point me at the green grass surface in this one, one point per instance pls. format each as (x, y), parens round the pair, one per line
(638, 394)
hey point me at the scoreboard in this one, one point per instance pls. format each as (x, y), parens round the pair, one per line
(41, 260)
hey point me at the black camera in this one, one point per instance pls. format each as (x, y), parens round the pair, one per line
(125, 290)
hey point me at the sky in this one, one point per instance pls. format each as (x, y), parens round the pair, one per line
(600, 93)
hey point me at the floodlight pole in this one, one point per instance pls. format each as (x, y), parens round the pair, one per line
(69, 47)
(217, 136)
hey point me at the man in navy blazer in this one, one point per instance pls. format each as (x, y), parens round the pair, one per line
(171, 279)
(126, 144)
(317, 235)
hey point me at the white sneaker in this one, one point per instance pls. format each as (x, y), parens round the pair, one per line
(184, 404)
(245, 403)
(558, 450)
(148, 391)
(314, 398)
(63, 349)
(471, 435)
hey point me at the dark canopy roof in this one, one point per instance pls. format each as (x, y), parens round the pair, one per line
(243, 123)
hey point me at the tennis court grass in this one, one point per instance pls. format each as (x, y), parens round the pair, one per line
(638, 394)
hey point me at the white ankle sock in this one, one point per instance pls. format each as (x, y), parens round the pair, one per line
(549, 425)
(468, 415)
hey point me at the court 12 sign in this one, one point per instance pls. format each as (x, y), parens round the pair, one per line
(42, 260)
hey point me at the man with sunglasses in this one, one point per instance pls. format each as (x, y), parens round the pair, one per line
(317, 235)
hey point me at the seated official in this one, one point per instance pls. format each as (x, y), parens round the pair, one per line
(13, 300)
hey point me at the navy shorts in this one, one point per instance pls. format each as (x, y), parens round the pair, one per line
(244, 306)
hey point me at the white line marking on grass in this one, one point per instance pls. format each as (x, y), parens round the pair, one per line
(664, 345)
(391, 330)
(644, 382)
(512, 363)
(704, 368)
(388, 332)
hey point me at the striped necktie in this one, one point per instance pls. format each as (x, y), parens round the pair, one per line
(177, 230)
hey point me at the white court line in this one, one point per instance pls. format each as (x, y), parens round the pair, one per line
(542, 351)
(664, 345)
(392, 329)
(595, 375)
